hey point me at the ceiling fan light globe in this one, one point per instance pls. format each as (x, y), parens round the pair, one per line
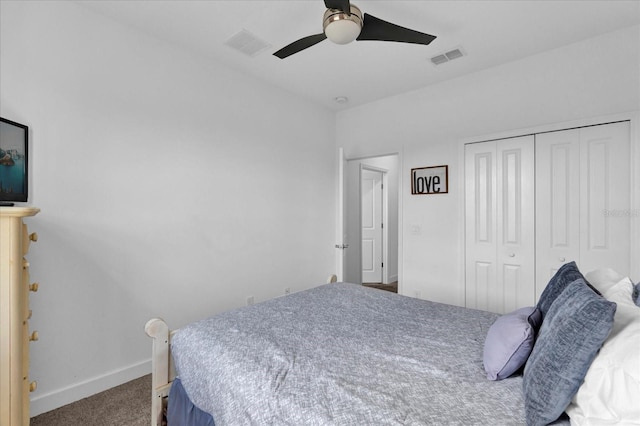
(341, 27)
(342, 31)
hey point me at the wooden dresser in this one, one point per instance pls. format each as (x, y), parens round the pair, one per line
(15, 336)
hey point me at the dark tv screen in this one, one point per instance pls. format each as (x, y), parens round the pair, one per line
(14, 156)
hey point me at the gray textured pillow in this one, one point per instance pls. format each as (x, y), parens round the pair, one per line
(567, 274)
(576, 325)
(509, 342)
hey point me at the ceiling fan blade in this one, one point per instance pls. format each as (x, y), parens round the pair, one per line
(299, 45)
(342, 5)
(376, 29)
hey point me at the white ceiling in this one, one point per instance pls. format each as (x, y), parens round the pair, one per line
(489, 32)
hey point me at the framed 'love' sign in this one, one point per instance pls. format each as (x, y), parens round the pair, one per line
(430, 180)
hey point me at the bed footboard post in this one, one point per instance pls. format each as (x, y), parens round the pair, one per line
(158, 330)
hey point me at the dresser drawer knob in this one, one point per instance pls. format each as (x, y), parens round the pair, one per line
(33, 386)
(25, 264)
(30, 314)
(34, 287)
(34, 336)
(33, 237)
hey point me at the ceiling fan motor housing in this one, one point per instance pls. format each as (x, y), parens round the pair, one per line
(341, 27)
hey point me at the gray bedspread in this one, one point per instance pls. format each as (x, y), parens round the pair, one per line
(343, 354)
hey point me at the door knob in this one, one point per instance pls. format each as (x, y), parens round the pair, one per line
(342, 246)
(512, 255)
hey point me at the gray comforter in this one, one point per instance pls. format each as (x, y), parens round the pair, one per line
(343, 354)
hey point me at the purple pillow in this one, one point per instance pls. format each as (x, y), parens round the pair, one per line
(510, 341)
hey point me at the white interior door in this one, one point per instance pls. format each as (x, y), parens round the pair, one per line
(516, 223)
(372, 223)
(480, 224)
(499, 224)
(557, 203)
(352, 227)
(582, 200)
(604, 197)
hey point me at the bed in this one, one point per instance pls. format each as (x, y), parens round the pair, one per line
(339, 354)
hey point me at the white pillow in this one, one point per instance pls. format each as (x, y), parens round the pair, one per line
(603, 279)
(610, 392)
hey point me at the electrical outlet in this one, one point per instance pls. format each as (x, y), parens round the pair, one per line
(250, 300)
(417, 295)
(287, 290)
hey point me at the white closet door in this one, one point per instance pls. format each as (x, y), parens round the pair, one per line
(499, 211)
(480, 224)
(605, 197)
(557, 203)
(582, 200)
(516, 223)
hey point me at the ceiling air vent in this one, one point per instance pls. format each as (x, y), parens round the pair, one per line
(447, 56)
(247, 43)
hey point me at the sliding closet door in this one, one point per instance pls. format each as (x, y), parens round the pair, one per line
(583, 199)
(499, 211)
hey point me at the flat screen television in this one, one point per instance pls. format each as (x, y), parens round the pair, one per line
(14, 157)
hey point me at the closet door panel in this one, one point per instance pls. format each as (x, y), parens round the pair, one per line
(557, 203)
(480, 222)
(582, 200)
(516, 221)
(605, 201)
(499, 220)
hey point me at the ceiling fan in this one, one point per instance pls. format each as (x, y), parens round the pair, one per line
(343, 23)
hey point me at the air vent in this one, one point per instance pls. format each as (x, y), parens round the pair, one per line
(447, 56)
(247, 43)
(453, 54)
(440, 59)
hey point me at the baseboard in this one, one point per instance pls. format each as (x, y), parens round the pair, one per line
(58, 398)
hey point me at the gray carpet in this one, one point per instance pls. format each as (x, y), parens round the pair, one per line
(125, 405)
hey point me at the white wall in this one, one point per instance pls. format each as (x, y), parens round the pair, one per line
(596, 77)
(169, 186)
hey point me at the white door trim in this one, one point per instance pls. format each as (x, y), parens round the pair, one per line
(340, 238)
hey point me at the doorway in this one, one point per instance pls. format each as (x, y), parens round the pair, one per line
(365, 258)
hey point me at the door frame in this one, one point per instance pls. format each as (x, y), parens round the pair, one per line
(341, 207)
